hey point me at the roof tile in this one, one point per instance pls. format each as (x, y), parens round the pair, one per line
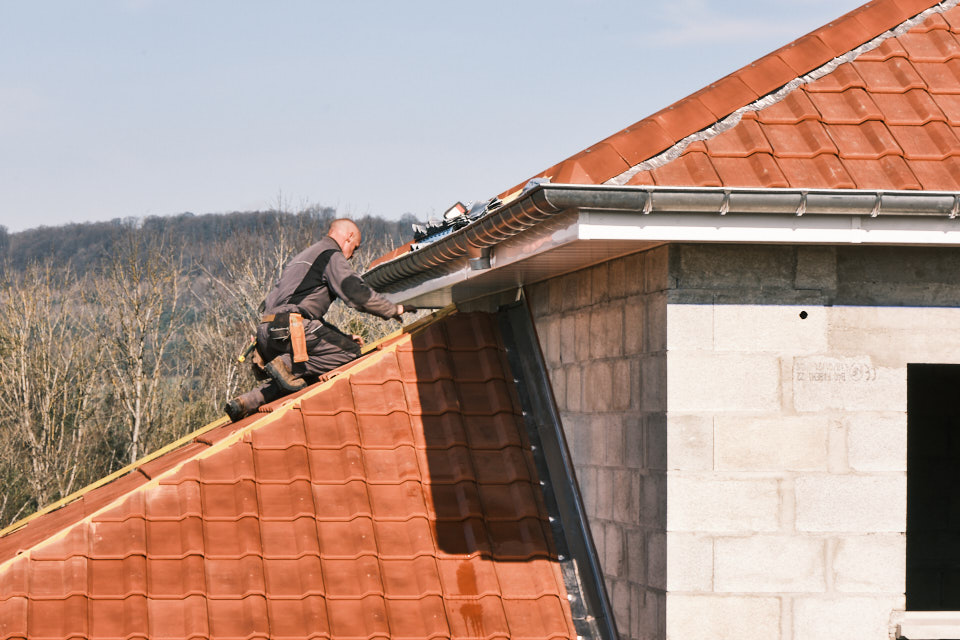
(950, 106)
(868, 140)
(952, 18)
(795, 107)
(726, 96)
(112, 578)
(758, 170)
(231, 538)
(176, 578)
(889, 48)
(245, 618)
(931, 141)
(411, 577)
(888, 172)
(806, 54)
(895, 75)
(766, 75)
(941, 77)
(640, 141)
(805, 139)
(824, 171)
(933, 46)
(112, 618)
(684, 118)
(839, 34)
(690, 168)
(174, 538)
(743, 140)
(288, 539)
(480, 618)
(937, 175)
(911, 108)
(290, 618)
(842, 78)
(363, 618)
(186, 618)
(529, 619)
(852, 106)
(421, 618)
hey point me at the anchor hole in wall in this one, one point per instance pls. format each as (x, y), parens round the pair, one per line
(803, 315)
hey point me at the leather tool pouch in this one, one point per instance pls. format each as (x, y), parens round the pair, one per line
(298, 339)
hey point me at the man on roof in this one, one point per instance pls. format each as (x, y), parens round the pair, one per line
(294, 345)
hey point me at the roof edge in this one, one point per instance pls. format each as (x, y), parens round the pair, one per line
(548, 200)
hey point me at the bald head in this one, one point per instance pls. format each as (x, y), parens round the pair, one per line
(347, 235)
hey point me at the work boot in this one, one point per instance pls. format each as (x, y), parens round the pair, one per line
(281, 374)
(237, 409)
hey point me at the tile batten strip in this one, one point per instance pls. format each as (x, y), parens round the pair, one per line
(732, 120)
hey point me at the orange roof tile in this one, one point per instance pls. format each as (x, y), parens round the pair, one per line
(854, 104)
(397, 499)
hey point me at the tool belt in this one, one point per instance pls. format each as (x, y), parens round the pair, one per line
(288, 325)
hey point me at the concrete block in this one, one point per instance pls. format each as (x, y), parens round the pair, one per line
(739, 267)
(555, 294)
(653, 508)
(568, 339)
(689, 442)
(654, 383)
(558, 384)
(655, 441)
(656, 272)
(538, 297)
(613, 553)
(636, 555)
(621, 385)
(569, 287)
(599, 282)
(606, 331)
(655, 328)
(633, 442)
(823, 383)
(851, 503)
(877, 442)
(581, 320)
(634, 320)
(549, 332)
(769, 564)
(870, 564)
(597, 432)
(690, 327)
(587, 483)
(816, 618)
(574, 388)
(714, 382)
(702, 617)
(633, 266)
(772, 444)
(613, 439)
(657, 559)
(770, 328)
(620, 601)
(816, 268)
(626, 496)
(583, 283)
(616, 278)
(580, 440)
(689, 562)
(605, 488)
(713, 504)
(598, 386)
(650, 607)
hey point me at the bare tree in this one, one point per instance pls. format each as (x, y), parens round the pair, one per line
(48, 364)
(139, 296)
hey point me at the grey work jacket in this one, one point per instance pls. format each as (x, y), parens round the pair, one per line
(316, 277)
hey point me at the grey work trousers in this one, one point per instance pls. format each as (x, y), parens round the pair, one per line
(327, 349)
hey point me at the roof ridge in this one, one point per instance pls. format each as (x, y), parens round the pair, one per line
(732, 120)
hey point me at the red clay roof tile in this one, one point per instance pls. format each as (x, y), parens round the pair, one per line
(309, 523)
(937, 175)
(783, 139)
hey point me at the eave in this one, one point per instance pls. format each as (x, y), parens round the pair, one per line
(558, 228)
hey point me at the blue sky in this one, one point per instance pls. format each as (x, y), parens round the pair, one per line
(116, 108)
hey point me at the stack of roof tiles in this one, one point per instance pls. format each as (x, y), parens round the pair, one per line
(886, 117)
(398, 499)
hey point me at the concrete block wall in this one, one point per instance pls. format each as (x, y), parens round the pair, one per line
(786, 433)
(603, 334)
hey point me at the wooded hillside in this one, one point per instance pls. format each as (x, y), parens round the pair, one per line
(119, 337)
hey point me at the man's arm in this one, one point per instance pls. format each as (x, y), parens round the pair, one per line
(351, 288)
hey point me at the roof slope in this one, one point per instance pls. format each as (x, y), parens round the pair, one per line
(398, 499)
(871, 101)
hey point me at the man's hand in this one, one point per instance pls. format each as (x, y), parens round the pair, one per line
(357, 339)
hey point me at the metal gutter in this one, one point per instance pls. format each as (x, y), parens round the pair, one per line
(549, 200)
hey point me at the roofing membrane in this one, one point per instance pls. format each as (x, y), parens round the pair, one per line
(397, 499)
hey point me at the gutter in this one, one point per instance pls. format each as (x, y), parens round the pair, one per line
(476, 240)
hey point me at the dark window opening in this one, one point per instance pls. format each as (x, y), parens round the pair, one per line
(933, 487)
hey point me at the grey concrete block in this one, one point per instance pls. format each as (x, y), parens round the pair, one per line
(769, 564)
(785, 443)
(703, 616)
(713, 503)
(847, 503)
